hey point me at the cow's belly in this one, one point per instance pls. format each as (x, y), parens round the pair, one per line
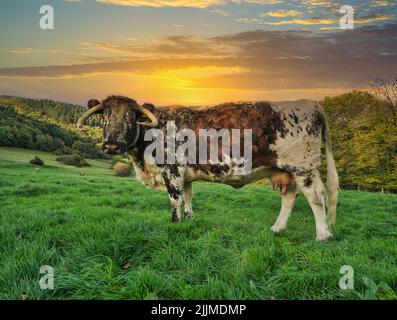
(229, 177)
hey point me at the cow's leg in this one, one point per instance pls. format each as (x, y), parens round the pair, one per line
(187, 198)
(174, 187)
(176, 199)
(287, 204)
(313, 188)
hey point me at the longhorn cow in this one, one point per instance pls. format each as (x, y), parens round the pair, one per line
(286, 147)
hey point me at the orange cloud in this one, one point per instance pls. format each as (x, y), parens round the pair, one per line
(282, 13)
(164, 3)
(202, 4)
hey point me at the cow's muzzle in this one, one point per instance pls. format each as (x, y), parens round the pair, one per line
(113, 148)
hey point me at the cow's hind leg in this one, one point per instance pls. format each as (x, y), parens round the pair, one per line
(313, 188)
(287, 204)
(187, 198)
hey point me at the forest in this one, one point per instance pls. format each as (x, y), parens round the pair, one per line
(363, 126)
(48, 126)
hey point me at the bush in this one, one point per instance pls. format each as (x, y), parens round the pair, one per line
(122, 169)
(67, 150)
(58, 152)
(74, 160)
(116, 159)
(120, 159)
(88, 150)
(37, 161)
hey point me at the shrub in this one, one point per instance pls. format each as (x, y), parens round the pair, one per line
(116, 159)
(122, 169)
(37, 161)
(67, 150)
(58, 152)
(74, 160)
(121, 159)
(88, 150)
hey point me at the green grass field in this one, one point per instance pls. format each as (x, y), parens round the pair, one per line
(89, 227)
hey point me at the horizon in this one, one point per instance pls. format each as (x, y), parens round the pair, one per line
(202, 52)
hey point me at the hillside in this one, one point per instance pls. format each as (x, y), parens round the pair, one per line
(111, 238)
(46, 126)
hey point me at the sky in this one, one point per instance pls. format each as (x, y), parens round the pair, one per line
(199, 52)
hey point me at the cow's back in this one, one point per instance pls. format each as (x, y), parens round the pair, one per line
(263, 118)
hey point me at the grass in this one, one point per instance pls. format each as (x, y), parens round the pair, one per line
(88, 228)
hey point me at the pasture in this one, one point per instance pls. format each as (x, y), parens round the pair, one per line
(111, 238)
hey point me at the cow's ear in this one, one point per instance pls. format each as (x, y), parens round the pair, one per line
(93, 103)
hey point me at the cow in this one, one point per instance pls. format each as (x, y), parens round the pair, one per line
(286, 147)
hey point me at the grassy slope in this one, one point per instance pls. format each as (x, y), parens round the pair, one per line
(88, 227)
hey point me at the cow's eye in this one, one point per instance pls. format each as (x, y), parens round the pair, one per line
(129, 116)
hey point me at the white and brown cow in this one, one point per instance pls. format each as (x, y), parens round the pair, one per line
(286, 140)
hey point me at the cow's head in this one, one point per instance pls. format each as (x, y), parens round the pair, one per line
(121, 122)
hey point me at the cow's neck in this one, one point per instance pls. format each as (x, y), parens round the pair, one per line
(137, 152)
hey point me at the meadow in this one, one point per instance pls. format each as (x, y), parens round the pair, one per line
(112, 238)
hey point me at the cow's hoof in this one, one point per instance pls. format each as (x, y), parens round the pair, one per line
(324, 236)
(190, 215)
(176, 219)
(276, 229)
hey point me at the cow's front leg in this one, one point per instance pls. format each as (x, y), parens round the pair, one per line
(174, 185)
(187, 198)
(176, 203)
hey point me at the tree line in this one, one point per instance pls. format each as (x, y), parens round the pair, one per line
(363, 125)
(364, 134)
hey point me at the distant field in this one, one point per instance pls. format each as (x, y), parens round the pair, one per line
(89, 227)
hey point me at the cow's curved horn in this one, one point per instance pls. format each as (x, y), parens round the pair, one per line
(154, 121)
(88, 114)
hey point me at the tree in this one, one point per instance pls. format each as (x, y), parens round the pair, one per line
(386, 92)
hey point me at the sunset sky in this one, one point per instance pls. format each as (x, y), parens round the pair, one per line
(194, 52)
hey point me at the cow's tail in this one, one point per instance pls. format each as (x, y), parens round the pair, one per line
(332, 177)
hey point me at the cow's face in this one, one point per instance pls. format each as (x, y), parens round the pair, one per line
(120, 129)
(120, 122)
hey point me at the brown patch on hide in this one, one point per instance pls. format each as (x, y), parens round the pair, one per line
(265, 121)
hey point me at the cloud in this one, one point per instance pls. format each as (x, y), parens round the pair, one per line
(283, 13)
(252, 60)
(22, 50)
(221, 12)
(202, 4)
(305, 22)
(317, 21)
(164, 3)
(171, 46)
(29, 51)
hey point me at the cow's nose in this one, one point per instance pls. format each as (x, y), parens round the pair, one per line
(111, 148)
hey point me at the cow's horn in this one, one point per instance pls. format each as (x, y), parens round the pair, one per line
(88, 114)
(154, 121)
